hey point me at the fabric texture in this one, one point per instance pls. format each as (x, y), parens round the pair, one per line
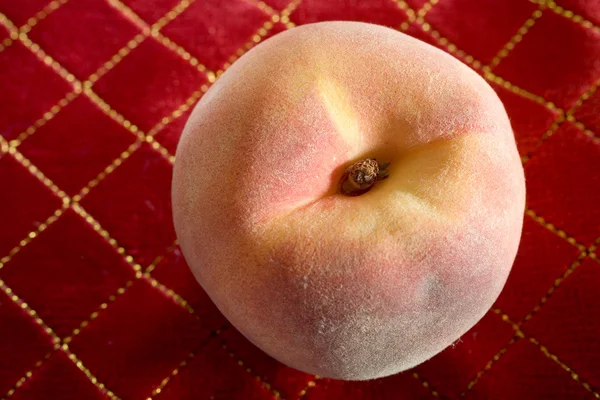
(96, 301)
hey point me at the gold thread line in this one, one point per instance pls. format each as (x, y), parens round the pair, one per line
(559, 232)
(491, 77)
(557, 282)
(490, 363)
(106, 236)
(170, 293)
(545, 136)
(113, 114)
(312, 383)
(131, 45)
(564, 366)
(40, 53)
(410, 13)
(31, 312)
(155, 130)
(62, 103)
(264, 7)
(33, 234)
(111, 299)
(152, 266)
(546, 352)
(451, 47)
(426, 8)
(31, 22)
(578, 19)
(5, 43)
(40, 15)
(185, 363)
(592, 251)
(517, 37)
(172, 14)
(130, 15)
(107, 171)
(260, 34)
(241, 364)
(33, 170)
(56, 66)
(154, 31)
(28, 374)
(79, 364)
(426, 384)
(592, 89)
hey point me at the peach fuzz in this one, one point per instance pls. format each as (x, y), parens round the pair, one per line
(349, 287)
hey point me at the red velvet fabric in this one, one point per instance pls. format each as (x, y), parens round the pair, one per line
(96, 301)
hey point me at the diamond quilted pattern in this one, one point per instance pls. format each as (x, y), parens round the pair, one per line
(529, 119)
(69, 255)
(60, 377)
(134, 205)
(278, 4)
(524, 372)
(20, 11)
(588, 114)
(94, 141)
(174, 273)
(23, 343)
(543, 257)
(456, 366)
(566, 196)
(82, 45)
(480, 27)
(151, 11)
(226, 380)
(589, 10)
(149, 339)
(24, 100)
(146, 98)
(400, 386)
(210, 31)
(169, 135)
(557, 59)
(25, 206)
(140, 343)
(287, 381)
(558, 326)
(382, 12)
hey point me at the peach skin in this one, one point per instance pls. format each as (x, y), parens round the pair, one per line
(350, 198)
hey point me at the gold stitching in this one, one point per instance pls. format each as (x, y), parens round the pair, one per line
(260, 34)
(31, 22)
(240, 362)
(546, 352)
(515, 39)
(312, 383)
(25, 307)
(578, 19)
(557, 282)
(425, 384)
(426, 8)
(489, 364)
(559, 232)
(62, 103)
(28, 374)
(33, 234)
(554, 358)
(86, 371)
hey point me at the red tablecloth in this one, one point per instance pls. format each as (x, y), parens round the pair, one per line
(96, 301)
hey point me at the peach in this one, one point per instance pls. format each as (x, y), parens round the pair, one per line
(349, 287)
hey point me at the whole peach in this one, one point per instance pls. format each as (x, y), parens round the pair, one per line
(349, 287)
